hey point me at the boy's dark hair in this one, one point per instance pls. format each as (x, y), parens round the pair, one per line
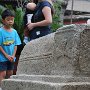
(7, 13)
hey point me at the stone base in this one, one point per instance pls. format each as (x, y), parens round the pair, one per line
(46, 82)
(51, 78)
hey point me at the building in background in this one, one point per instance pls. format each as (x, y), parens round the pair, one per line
(81, 12)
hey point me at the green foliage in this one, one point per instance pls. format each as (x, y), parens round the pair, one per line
(19, 13)
(56, 17)
(9, 6)
(1, 10)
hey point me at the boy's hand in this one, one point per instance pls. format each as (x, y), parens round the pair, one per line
(10, 58)
(13, 59)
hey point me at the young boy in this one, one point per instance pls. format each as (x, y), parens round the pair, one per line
(9, 40)
(30, 7)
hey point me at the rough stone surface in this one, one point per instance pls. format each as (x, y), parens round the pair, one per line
(58, 61)
(38, 85)
(51, 78)
(72, 50)
(37, 56)
(65, 52)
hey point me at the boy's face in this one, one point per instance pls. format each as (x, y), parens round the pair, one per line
(8, 21)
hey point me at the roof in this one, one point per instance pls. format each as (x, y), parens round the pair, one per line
(84, 16)
(79, 5)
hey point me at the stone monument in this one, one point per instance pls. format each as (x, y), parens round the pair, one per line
(58, 61)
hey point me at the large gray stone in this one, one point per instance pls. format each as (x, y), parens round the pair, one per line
(58, 61)
(72, 50)
(65, 52)
(37, 56)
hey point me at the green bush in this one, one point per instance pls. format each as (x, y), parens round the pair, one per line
(1, 10)
(56, 17)
(19, 13)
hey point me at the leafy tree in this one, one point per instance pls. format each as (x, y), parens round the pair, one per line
(56, 17)
(1, 10)
(19, 13)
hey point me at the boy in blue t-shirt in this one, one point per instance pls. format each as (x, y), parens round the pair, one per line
(9, 39)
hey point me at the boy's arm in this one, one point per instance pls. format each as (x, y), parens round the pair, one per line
(4, 53)
(10, 58)
(15, 49)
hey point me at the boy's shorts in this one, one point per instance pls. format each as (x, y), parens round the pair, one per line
(6, 66)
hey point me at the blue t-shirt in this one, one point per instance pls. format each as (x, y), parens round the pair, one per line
(8, 40)
(38, 16)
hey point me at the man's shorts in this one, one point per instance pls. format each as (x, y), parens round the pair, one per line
(7, 65)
